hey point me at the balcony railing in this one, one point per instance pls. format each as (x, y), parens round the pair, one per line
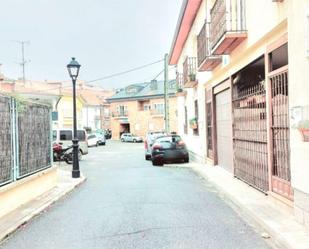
(206, 61)
(189, 72)
(227, 27)
(179, 81)
(157, 112)
(119, 114)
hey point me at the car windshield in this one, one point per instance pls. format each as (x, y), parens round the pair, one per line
(169, 139)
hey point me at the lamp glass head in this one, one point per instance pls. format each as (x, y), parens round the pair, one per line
(73, 68)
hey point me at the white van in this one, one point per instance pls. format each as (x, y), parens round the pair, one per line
(65, 136)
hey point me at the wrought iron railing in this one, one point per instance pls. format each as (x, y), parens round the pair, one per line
(189, 69)
(280, 125)
(179, 81)
(119, 114)
(157, 111)
(203, 48)
(226, 16)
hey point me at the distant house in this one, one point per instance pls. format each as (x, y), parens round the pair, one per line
(139, 108)
(92, 108)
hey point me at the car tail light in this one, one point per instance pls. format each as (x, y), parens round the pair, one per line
(146, 145)
(156, 147)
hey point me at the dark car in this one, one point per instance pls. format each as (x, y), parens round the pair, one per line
(169, 148)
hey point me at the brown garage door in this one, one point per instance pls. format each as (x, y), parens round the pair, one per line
(224, 130)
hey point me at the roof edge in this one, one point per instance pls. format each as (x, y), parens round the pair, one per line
(178, 25)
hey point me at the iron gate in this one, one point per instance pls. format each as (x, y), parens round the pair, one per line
(281, 175)
(250, 135)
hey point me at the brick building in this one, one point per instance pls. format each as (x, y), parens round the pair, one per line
(139, 108)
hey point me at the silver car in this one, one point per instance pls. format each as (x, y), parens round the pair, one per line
(128, 137)
(150, 138)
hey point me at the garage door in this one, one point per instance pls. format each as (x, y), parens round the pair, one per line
(224, 130)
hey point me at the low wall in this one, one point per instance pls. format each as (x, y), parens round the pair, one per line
(15, 194)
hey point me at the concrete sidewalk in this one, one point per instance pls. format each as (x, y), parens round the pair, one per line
(272, 216)
(20, 216)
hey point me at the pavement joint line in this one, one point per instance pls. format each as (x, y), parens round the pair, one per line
(36, 211)
(278, 240)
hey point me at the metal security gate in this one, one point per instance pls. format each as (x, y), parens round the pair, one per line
(281, 175)
(224, 130)
(250, 135)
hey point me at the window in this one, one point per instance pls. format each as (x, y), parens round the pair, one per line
(66, 135)
(146, 107)
(81, 135)
(91, 136)
(186, 121)
(196, 131)
(159, 108)
(122, 110)
(54, 135)
(279, 57)
(209, 129)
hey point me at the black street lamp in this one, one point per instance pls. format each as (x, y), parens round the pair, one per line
(73, 68)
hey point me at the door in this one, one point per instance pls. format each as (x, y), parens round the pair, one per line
(224, 130)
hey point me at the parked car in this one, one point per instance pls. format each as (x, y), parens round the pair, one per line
(169, 148)
(128, 137)
(149, 140)
(64, 137)
(93, 140)
(101, 138)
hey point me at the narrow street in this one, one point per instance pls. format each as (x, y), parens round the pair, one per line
(128, 203)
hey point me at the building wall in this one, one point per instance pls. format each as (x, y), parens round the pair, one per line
(195, 144)
(298, 36)
(143, 121)
(91, 117)
(65, 112)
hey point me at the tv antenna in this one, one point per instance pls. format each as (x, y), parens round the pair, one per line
(23, 61)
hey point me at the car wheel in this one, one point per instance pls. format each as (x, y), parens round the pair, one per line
(147, 157)
(122, 140)
(97, 144)
(103, 143)
(134, 141)
(186, 160)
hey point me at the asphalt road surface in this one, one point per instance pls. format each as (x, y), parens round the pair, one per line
(127, 203)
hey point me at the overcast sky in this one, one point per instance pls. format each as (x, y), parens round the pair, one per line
(105, 36)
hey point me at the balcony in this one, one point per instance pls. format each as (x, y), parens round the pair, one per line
(180, 84)
(206, 61)
(189, 72)
(157, 112)
(227, 27)
(120, 114)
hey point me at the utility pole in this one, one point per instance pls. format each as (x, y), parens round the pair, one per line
(166, 107)
(23, 62)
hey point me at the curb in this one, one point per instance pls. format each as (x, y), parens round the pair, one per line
(276, 241)
(38, 210)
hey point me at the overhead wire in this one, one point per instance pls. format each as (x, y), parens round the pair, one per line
(108, 76)
(124, 72)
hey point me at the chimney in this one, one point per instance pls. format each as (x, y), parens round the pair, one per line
(154, 85)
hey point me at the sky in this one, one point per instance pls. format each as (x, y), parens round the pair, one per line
(105, 36)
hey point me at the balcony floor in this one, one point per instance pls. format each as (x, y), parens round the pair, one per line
(229, 42)
(210, 63)
(190, 84)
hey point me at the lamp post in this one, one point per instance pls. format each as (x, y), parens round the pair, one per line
(73, 68)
